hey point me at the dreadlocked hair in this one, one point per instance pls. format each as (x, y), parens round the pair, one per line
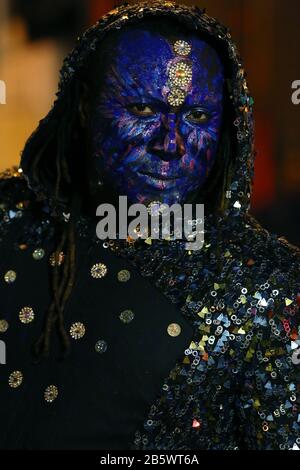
(53, 161)
(46, 163)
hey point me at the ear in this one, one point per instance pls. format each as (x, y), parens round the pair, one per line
(83, 107)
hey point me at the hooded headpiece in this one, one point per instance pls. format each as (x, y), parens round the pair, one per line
(55, 134)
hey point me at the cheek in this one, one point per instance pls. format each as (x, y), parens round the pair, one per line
(201, 142)
(123, 143)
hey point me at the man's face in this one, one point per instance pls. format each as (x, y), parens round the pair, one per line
(157, 117)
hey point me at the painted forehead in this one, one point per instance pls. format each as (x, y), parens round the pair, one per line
(148, 64)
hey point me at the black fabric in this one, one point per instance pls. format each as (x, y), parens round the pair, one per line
(103, 397)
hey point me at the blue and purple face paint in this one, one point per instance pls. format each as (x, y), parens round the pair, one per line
(157, 118)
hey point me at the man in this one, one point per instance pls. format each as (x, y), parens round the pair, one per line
(144, 344)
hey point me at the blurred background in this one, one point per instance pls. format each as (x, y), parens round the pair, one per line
(35, 35)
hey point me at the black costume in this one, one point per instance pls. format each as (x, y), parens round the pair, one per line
(171, 349)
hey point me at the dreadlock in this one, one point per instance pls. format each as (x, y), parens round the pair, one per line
(57, 180)
(52, 162)
(62, 285)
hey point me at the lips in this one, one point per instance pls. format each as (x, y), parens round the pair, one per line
(159, 176)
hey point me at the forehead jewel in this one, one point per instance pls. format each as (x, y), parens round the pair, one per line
(179, 71)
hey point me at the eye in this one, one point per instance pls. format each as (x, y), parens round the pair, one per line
(197, 116)
(141, 109)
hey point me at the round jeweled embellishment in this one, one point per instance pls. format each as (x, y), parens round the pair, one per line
(180, 74)
(155, 208)
(57, 258)
(182, 47)
(51, 393)
(98, 270)
(174, 329)
(26, 315)
(15, 379)
(123, 275)
(38, 254)
(126, 316)
(101, 346)
(176, 97)
(3, 326)
(77, 330)
(10, 276)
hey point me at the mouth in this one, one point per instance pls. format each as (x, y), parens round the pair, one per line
(158, 176)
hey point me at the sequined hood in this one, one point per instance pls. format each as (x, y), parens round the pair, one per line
(235, 188)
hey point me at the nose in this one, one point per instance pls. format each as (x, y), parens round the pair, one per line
(169, 144)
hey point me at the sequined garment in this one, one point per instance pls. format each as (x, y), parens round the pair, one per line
(229, 375)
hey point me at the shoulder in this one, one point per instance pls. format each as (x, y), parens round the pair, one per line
(15, 196)
(271, 260)
(13, 189)
(20, 211)
(261, 278)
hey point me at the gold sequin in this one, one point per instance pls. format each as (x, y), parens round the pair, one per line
(182, 48)
(38, 254)
(57, 258)
(51, 393)
(126, 316)
(3, 326)
(15, 379)
(180, 74)
(98, 270)
(22, 246)
(176, 97)
(10, 276)
(174, 329)
(123, 275)
(77, 330)
(26, 315)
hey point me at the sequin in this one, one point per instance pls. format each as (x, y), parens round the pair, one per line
(15, 379)
(98, 270)
(123, 275)
(176, 97)
(296, 357)
(57, 258)
(22, 246)
(77, 330)
(126, 316)
(3, 326)
(101, 346)
(10, 276)
(156, 208)
(180, 74)
(182, 47)
(196, 424)
(174, 329)
(26, 315)
(38, 254)
(51, 393)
